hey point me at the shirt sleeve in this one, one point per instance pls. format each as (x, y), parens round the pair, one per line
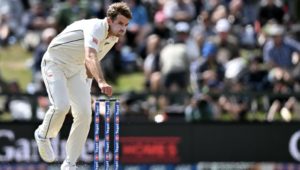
(293, 43)
(94, 33)
(266, 51)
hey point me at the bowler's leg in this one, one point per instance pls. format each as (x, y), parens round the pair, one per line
(56, 85)
(55, 82)
(80, 98)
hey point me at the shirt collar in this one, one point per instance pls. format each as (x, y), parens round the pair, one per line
(106, 26)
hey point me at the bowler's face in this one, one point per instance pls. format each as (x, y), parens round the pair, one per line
(118, 26)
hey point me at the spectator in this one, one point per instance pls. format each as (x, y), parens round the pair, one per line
(210, 5)
(18, 105)
(270, 11)
(227, 43)
(255, 75)
(151, 63)
(207, 75)
(35, 21)
(160, 26)
(179, 10)
(139, 26)
(200, 108)
(47, 35)
(132, 107)
(5, 31)
(234, 68)
(203, 24)
(174, 60)
(242, 26)
(236, 105)
(278, 51)
(129, 58)
(279, 56)
(235, 14)
(97, 8)
(194, 44)
(10, 16)
(68, 12)
(250, 11)
(218, 13)
(43, 104)
(283, 105)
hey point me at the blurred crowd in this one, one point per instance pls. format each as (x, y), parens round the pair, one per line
(202, 60)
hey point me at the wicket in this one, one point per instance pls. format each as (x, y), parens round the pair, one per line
(106, 133)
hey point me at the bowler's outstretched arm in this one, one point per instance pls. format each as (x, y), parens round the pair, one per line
(93, 66)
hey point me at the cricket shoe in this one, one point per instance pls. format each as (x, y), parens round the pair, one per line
(44, 147)
(68, 166)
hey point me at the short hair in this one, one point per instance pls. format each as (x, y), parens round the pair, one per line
(118, 8)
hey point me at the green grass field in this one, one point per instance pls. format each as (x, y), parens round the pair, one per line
(128, 82)
(13, 65)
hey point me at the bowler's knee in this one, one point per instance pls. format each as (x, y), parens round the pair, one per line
(84, 114)
(62, 108)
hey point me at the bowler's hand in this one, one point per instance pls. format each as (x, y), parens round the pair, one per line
(105, 88)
